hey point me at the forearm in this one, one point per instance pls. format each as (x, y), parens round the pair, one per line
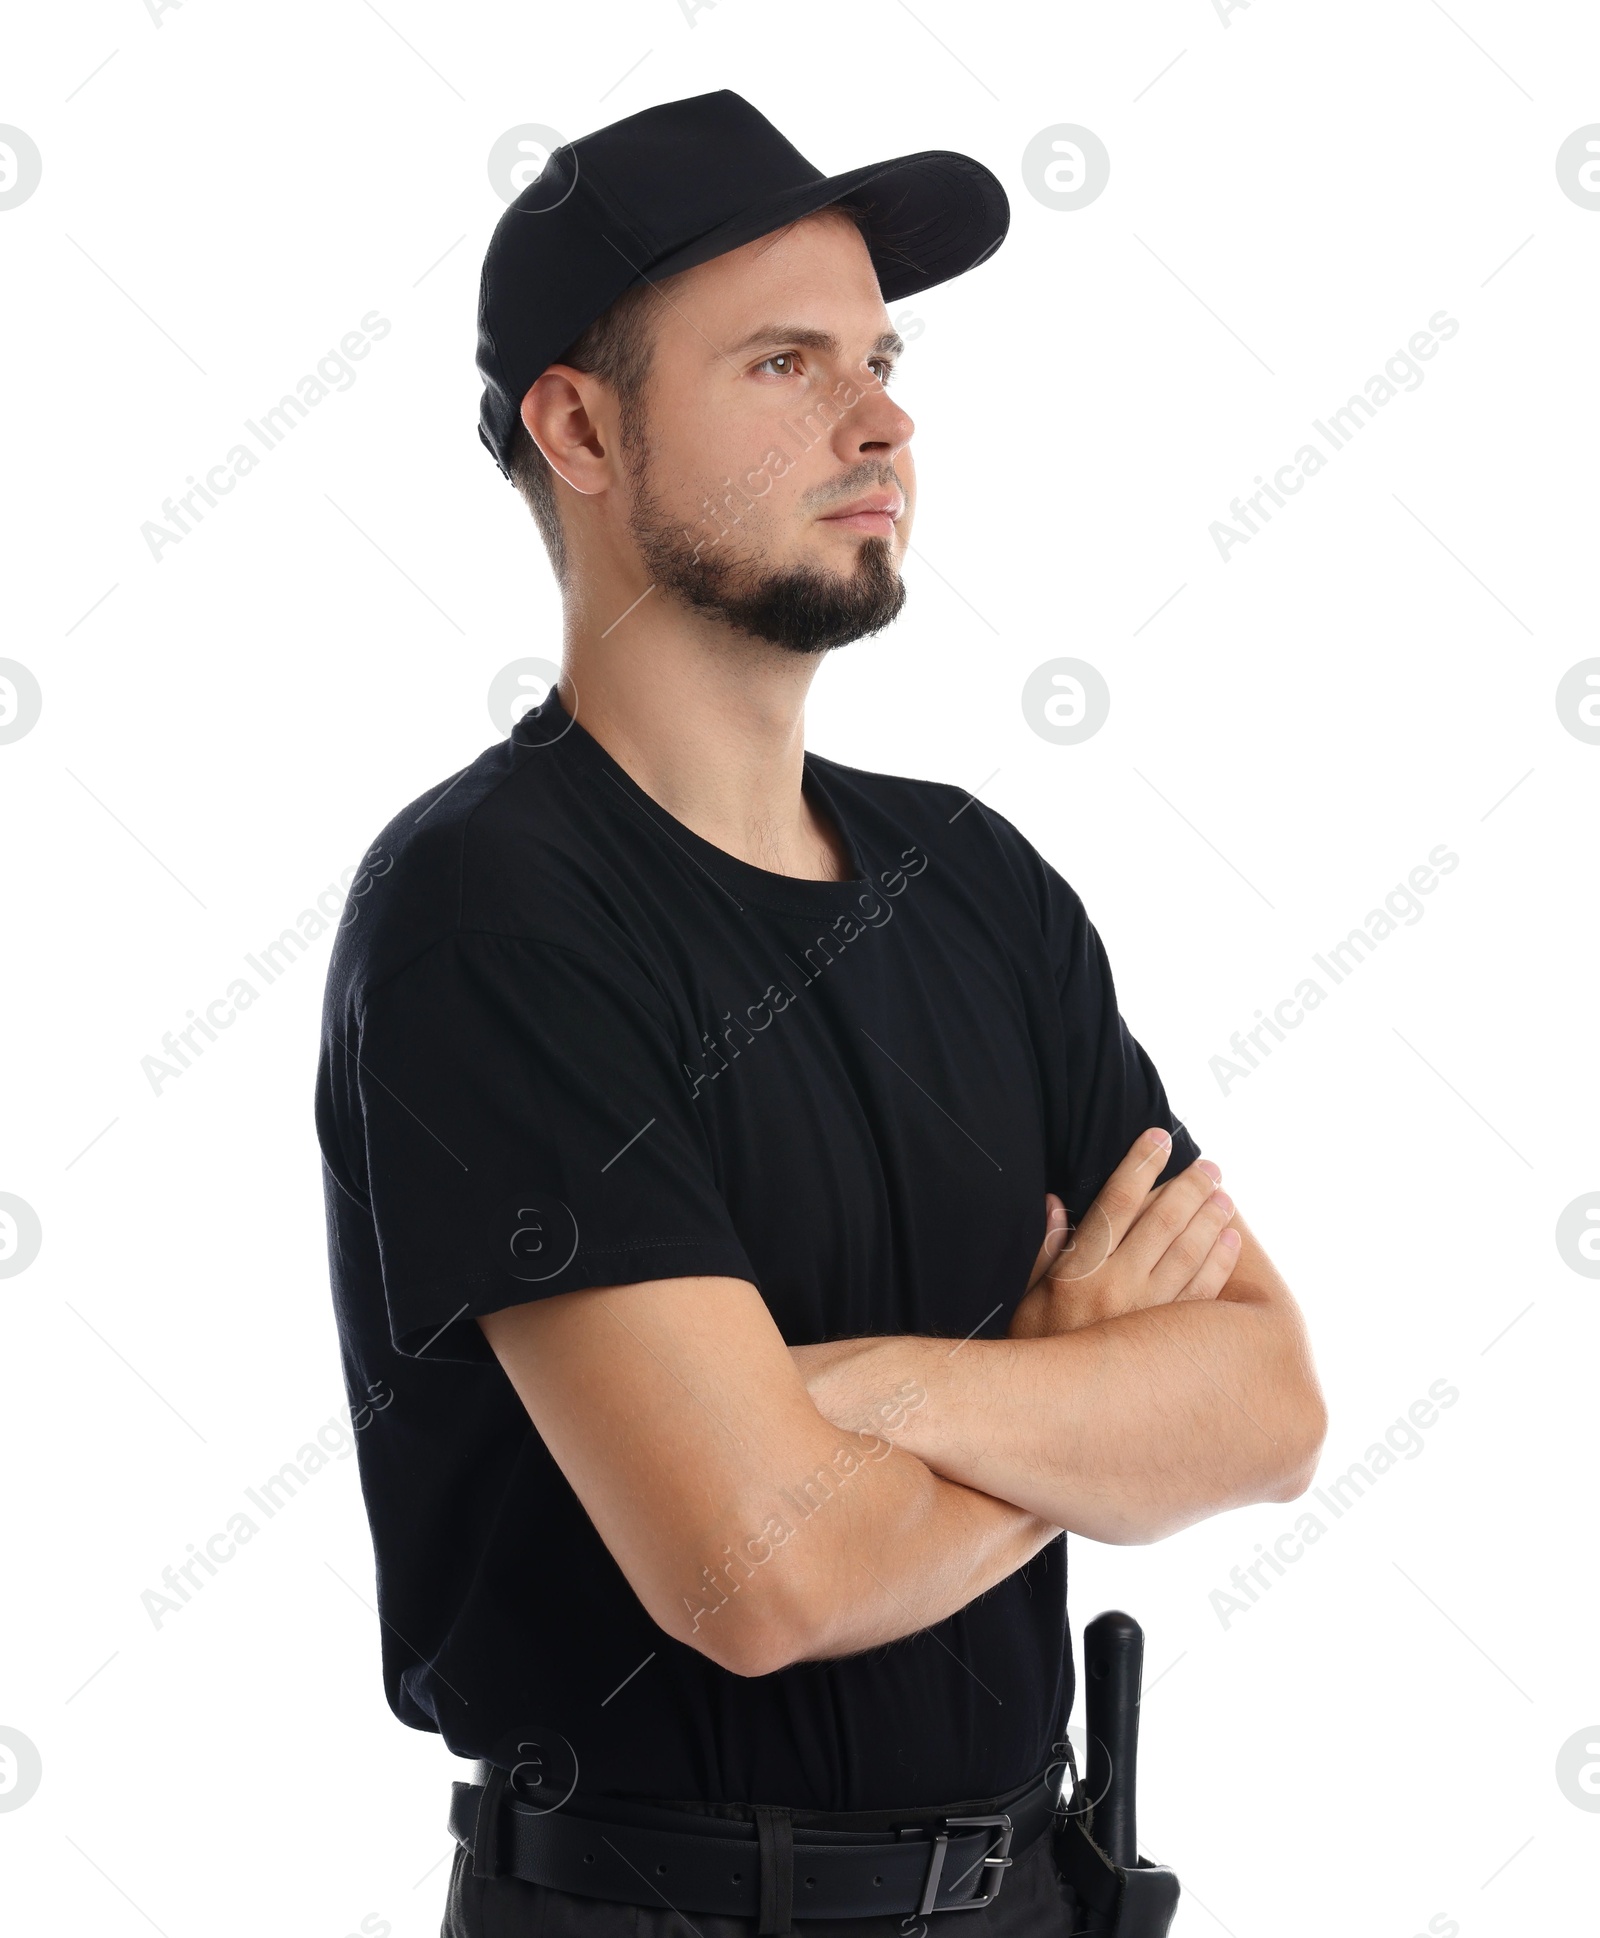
(1125, 1431)
(924, 1547)
(868, 1546)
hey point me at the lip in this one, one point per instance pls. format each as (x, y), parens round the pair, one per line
(876, 512)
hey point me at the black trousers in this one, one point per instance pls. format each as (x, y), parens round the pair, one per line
(1034, 1902)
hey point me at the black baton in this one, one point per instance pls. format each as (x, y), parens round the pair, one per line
(1113, 1666)
(1118, 1893)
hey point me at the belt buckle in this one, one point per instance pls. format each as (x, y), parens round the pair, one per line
(1000, 1859)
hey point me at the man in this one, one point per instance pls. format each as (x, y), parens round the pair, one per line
(702, 1119)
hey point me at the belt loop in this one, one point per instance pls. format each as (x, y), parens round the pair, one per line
(486, 1830)
(775, 1836)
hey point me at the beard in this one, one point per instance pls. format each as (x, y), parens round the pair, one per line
(801, 609)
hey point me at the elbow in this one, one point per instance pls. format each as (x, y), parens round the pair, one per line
(752, 1648)
(750, 1628)
(1304, 1446)
(1291, 1486)
(763, 1653)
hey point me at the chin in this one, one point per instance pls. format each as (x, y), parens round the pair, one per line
(851, 555)
(849, 543)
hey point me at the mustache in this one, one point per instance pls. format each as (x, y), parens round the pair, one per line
(860, 477)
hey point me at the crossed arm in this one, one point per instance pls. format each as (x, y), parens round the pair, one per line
(1125, 1430)
(770, 1505)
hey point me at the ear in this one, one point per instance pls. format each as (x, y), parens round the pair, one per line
(565, 412)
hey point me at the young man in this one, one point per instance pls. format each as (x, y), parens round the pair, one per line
(702, 1119)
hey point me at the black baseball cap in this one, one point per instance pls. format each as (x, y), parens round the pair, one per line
(675, 186)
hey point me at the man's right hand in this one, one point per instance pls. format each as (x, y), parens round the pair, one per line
(1139, 1244)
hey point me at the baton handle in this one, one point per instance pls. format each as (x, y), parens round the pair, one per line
(1113, 1663)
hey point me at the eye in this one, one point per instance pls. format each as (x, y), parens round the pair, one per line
(882, 368)
(788, 358)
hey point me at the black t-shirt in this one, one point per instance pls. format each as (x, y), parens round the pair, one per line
(567, 1042)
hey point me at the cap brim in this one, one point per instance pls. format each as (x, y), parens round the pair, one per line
(931, 216)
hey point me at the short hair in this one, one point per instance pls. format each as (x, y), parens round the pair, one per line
(616, 347)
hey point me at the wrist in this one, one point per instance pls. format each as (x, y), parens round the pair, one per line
(816, 1361)
(873, 1388)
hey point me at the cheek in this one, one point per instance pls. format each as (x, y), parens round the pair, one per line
(708, 467)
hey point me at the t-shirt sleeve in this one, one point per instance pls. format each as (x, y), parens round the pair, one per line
(1113, 1091)
(529, 1130)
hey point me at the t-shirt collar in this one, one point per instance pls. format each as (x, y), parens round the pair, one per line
(550, 725)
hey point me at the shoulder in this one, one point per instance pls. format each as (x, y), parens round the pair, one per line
(958, 832)
(495, 849)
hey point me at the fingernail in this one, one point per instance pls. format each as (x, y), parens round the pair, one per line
(1158, 1140)
(1230, 1238)
(1223, 1202)
(1212, 1171)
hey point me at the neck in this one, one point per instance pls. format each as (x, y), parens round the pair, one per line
(709, 722)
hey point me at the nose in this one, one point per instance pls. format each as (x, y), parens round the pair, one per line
(877, 428)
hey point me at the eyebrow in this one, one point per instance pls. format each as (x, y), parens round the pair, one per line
(890, 344)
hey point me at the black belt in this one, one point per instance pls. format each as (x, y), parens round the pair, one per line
(770, 1867)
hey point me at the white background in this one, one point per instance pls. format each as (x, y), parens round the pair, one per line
(1294, 191)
